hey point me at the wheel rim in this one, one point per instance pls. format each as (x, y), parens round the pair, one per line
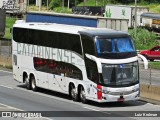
(27, 81)
(73, 93)
(33, 83)
(82, 95)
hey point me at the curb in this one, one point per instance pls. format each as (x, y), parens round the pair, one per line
(156, 102)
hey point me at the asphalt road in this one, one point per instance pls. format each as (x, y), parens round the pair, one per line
(17, 97)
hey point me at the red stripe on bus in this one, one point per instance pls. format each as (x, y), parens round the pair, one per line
(99, 93)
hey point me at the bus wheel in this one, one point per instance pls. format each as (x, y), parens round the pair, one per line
(33, 83)
(27, 82)
(83, 95)
(73, 93)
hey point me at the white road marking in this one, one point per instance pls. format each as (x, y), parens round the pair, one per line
(50, 96)
(6, 86)
(6, 71)
(91, 108)
(11, 107)
(97, 110)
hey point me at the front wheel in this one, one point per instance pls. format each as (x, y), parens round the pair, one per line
(33, 83)
(151, 60)
(83, 95)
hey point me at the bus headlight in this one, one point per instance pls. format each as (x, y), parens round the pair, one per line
(135, 89)
(105, 91)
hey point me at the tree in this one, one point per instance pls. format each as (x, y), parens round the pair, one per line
(54, 3)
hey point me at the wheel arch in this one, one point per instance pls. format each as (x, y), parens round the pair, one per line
(31, 75)
(70, 84)
(24, 74)
(79, 88)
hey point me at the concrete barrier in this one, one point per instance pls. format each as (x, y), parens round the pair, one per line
(150, 92)
(5, 61)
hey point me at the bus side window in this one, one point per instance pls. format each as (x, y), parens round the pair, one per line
(88, 45)
(92, 74)
(70, 42)
(91, 66)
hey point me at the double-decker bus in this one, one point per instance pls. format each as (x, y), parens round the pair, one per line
(96, 64)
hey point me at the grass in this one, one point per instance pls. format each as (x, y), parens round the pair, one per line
(57, 9)
(9, 24)
(6, 66)
(63, 10)
(155, 65)
(92, 3)
(35, 8)
(144, 39)
(153, 7)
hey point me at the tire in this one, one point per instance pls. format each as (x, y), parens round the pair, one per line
(27, 82)
(151, 60)
(73, 93)
(33, 84)
(83, 95)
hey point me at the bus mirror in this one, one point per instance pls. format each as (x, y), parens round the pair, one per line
(144, 60)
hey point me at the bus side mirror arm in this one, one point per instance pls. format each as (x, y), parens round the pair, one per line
(99, 65)
(144, 60)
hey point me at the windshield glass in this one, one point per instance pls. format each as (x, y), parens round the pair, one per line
(122, 74)
(114, 45)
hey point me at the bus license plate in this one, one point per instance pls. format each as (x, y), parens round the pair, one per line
(121, 99)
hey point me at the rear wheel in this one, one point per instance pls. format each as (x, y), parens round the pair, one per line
(73, 93)
(151, 60)
(33, 83)
(83, 95)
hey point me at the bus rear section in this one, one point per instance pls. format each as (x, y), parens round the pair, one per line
(87, 63)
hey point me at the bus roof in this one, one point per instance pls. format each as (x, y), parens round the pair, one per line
(72, 29)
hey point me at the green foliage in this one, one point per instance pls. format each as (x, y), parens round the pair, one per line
(62, 10)
(93, 2)
(155, 65)
(54, 3)
(144, 39)
(132, 1)
(9, 24)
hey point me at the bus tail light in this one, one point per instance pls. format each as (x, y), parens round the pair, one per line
(39, 62)
(51, 64)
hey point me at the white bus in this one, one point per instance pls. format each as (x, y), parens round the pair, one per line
(95, 64)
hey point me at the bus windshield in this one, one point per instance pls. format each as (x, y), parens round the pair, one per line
(114, 45)
(119, 75)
